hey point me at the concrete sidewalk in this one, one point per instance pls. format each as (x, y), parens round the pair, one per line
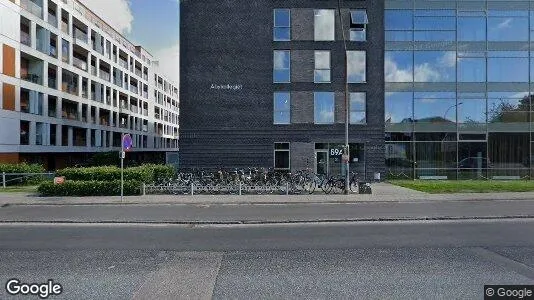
(382, 192)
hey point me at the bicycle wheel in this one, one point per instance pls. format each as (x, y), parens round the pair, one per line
(326, 185)
(309, 184)
(353, 186)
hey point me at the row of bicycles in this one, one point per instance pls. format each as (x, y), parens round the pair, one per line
(256, 181)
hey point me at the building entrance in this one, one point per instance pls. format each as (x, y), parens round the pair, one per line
(328, 158)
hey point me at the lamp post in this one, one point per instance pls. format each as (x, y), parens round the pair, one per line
(346, 147)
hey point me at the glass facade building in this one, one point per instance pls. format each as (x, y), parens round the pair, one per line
(458, 89)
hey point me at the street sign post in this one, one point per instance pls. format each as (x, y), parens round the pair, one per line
(126, 146)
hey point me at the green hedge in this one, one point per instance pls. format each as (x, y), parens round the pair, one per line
(90, 188)
(144, 173)
(21, 168)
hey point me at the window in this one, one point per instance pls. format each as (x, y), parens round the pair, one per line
(509, 28)
(399, 108)
(323, 107)
(358, 25)
(324, 25)
(472, 29)
(358, 108)
(282, 108)
(38, 133)
(508, 66)
(282, 68)
(282, 25)
(24, 132)
(472, 69)
(356, 66)
(322, 67)
(281, 156)
(398, 19)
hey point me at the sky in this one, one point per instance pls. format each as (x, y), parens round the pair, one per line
(153, 24)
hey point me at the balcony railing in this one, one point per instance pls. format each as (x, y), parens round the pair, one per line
(52, 83)
(145, 76)
(145, 95)
(52, 112)
(105, 76)
(25, 38)
(69, 115)
(69, 88)
(32, 8)
(79, 63)
(65, 27)
(123, 105)
(133, 89)
(145, 128)
(52, 20)
(31, 78)
(123, 63)
(85, 93)
(145, 112)
(52, 51)
(93, 70)
(80, 35)
(134, 108)
(138, 73)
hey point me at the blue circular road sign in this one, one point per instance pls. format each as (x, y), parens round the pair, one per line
(127, 142)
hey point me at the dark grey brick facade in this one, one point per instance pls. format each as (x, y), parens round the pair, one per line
(230, 42)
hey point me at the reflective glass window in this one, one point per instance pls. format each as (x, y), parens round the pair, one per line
(282, 108)
(435, 35)
(471, 29)
(398, 66)
(358, 108)
(399, 36)
(435, 66)
(282, 69)
(508, 110)
(471, 69)
(508, 69)
(399, 107)
(398, 19)
(508, 29)
(324, 107)
(472, 111)
(431, 23)
(282, 25)
(322, 67)
(324, 24)
(356, 66)
(435, 110)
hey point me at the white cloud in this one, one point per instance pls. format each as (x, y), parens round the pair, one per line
(116, 13)
(356, 67)
(425, 73)
(169, 62)
(395, 74)
(448, 59)
(504, 24)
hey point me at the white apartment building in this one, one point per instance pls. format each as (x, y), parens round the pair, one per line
(71, 86)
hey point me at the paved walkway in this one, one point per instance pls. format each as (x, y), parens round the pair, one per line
(383, 192)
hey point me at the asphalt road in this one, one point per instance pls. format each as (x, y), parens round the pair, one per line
(352, 260)
(257, 213)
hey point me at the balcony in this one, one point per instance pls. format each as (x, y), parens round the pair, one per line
(145, 112)
(145, 76)
(93, 70)
(25, 38)
(138, 73)
(52, 51)
(31, 78)
(79, 63)
(133, 89)
(104, 75)
(145, 95)
(69, 88)
(52, 20)
(145, 128)
(80, 36)
(65, 27)
(33, 8)
(123, 105)
(123, 63)
(69, 115)
(52, 83)
(134, 108)
(52, 112)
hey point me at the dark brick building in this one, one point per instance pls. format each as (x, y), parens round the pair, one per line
(263, 84)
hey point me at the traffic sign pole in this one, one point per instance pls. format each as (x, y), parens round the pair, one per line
(122, 167)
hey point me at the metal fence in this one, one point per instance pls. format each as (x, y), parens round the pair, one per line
(18, 178)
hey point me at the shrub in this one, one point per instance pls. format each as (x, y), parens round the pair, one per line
(22, 168)
(144, 173)
(90, 188)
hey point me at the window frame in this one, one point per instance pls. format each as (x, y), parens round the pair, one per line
(275, 26)
(288, 150)
(333, 96)
(351, 110)
(275, 111)
(358, 27)
(316, 69)
(288, 68)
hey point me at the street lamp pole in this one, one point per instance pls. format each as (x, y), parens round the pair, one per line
(346, 148)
